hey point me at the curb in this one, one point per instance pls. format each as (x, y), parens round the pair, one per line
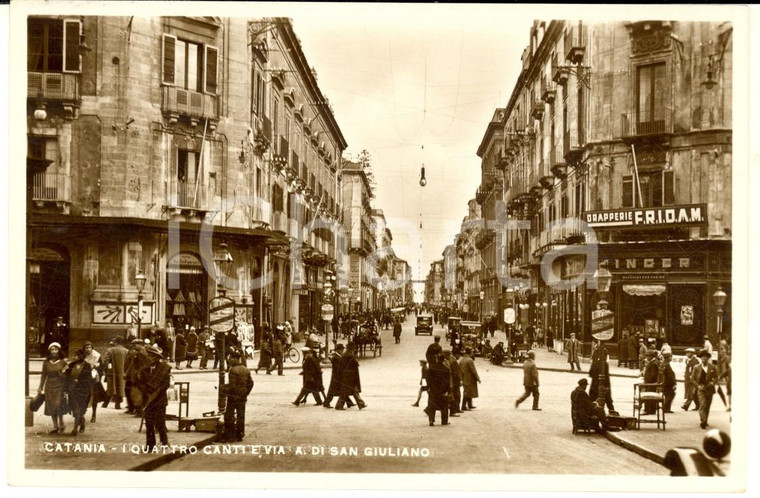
(165, 459)
(639, 450)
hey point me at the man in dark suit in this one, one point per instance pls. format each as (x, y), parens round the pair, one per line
(668, 382)
(237, 390)
(704, 376)
(456, 382)
(153, 383)
(350, 384)
(530, 381)
(397, 331)
(439, 383)
(334, 389)
(651, 375)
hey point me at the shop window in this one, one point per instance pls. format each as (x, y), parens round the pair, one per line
(651, 97)
(190, 65)
(53, 45)
(657, 189)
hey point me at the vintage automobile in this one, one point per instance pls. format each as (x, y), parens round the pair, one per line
(471, 336)
(398, 314)
(452, 324)
(424, 325)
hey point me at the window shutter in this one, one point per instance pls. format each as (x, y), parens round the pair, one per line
(71, 36)
(627, 191)
(211, 69)
(669, 190)
(657, 189)
(169, 43)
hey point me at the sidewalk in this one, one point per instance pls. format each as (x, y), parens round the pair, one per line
(682, 428)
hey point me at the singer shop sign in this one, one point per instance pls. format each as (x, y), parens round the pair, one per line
(653, 217)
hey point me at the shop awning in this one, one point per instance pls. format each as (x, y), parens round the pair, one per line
(643, 289)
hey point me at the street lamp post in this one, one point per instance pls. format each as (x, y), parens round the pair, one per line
(719, 298)
(222, 262)
(604, 281)
(140, 282)
(482, 296)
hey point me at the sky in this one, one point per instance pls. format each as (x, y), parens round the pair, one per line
(414, 86)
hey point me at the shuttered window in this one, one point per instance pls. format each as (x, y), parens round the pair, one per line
(657, 189)
(72, 31)
(170, 43)
(212, 55)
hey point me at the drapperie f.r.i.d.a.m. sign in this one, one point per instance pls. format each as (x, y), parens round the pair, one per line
(683, 215)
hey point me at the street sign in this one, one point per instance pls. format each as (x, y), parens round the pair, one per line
(602, 324)
(221, 314)
(509, 315)
(327, 312)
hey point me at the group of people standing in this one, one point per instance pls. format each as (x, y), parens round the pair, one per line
(450, 380)
(345, 382)
(74, 386)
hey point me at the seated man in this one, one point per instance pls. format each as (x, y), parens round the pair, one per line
(587, 414)
(497, 356)
(486, 348)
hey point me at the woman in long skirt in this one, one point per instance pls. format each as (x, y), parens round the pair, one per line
(53, 384)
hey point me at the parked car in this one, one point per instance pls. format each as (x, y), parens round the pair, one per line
(471, 335)
(424, 325)
(452, 324)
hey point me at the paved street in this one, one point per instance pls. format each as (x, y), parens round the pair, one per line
(495, 438)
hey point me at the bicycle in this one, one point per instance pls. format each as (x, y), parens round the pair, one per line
(293, 354)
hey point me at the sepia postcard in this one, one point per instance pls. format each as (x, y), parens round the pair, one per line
(356, 246)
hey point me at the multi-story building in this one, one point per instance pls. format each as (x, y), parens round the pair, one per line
(468, 265)
(617, 148)
(490, 196)
(357, 218)
(152, 141)
(434, 284)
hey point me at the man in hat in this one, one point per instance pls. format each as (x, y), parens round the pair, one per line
(530, 381)
(470, 379)
(651, 375)
(278, 338)
(704, 376)
(455, 388)
(668, 379)
(439, 384)
(115, 359)
(237, 389)
(587, 412)
(137, 358)
(690, 389)
(573, 353)
(153, 381)
(642, 355)
(707, 345)
(334, 388)
(350, 384)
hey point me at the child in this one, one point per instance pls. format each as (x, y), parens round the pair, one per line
(423, 382)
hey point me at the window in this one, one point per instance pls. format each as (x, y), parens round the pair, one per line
(190, 65)
(187, 175)
(292, 206)
(651, 97)
(580, 196)
(657, 189)
(277, 199)
(275, 110)
(258, 91)
(53, 45)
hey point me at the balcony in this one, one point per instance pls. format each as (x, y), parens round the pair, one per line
(51, 188)
(178, 102)
(575, 42)
(548, 91)
(481, 195)
(537, 109)
(560, 73)
(503, 162)
(547, 182)
(59, 87)
(641, 124)
(573, 145)
(189, 198)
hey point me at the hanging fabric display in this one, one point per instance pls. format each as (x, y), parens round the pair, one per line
(179, 304)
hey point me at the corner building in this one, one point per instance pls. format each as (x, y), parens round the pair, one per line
(617, 139)
(162, 138)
